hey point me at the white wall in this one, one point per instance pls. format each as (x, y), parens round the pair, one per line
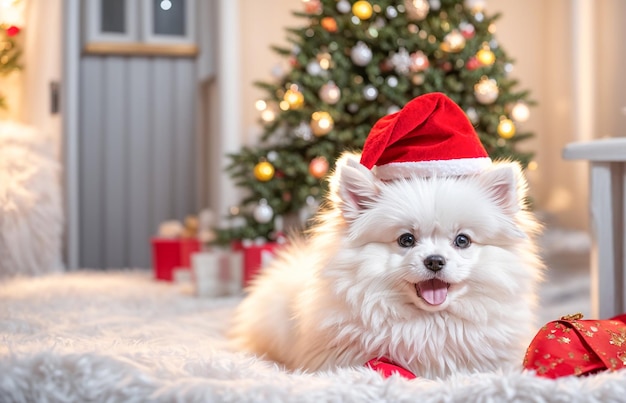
(544, 53)
(609, 60)
(42, 65)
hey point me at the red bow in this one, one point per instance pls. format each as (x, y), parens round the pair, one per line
(386, 368)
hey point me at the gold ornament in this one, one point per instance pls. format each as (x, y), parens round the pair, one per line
(325, 60)
(321, 123)
(362, 9)
(486, 90)
(453, 42)
(294, 98)
(485, 56)
(416, 10)
(264, 171)
(506, 128)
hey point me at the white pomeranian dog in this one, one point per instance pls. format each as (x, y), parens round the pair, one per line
(436, 273)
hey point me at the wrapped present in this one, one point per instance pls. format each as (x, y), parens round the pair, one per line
(170, 254)
(217, 273)
(573, 346)
(255, 256)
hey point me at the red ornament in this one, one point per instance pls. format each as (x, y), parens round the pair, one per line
(419, 61)
(385, 66)
(318, 167)
(468, 33)
(13, 30)
(293, 61)
(472, 63)
(313, 6)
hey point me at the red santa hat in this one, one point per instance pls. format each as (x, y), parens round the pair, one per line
(430, 136)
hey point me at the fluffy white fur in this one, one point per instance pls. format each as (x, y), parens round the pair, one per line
(31, 214)
(347, 293)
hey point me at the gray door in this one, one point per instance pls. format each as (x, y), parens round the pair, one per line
(137, 135)
(137, 131)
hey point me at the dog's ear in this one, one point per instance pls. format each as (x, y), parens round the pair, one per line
(506, 185)
(353, 187)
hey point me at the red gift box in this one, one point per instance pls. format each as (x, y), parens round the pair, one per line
(169, 254)
(254, 257)
(573, 346)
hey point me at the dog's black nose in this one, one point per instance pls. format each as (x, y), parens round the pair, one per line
(434, 262)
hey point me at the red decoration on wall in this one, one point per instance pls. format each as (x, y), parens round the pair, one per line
(13, 30)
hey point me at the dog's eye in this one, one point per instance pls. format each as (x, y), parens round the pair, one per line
(462, 241)
(406, 240)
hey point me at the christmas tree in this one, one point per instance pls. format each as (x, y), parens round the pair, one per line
(352, 63)
(9, 53)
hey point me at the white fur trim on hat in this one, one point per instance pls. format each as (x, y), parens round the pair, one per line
(457, 167)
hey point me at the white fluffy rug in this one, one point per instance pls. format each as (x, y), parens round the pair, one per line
(121, 337)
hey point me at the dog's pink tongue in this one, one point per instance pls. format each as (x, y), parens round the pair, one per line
(433, 291)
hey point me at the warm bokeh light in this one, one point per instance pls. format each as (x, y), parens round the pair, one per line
(260, 105)
(520, 112)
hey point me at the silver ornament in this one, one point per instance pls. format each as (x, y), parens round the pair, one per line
(391, 12)
(393, 109)
(435, 4)
(263, 212)
(272, 155)
(370, 92)
(401, 61)
(303, 131)
(472, 115)
(314, 68)
(361, 54)
(278, 71)
(343, 6)
(392, 81)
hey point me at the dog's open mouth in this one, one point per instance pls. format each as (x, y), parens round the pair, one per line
(433, 291)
